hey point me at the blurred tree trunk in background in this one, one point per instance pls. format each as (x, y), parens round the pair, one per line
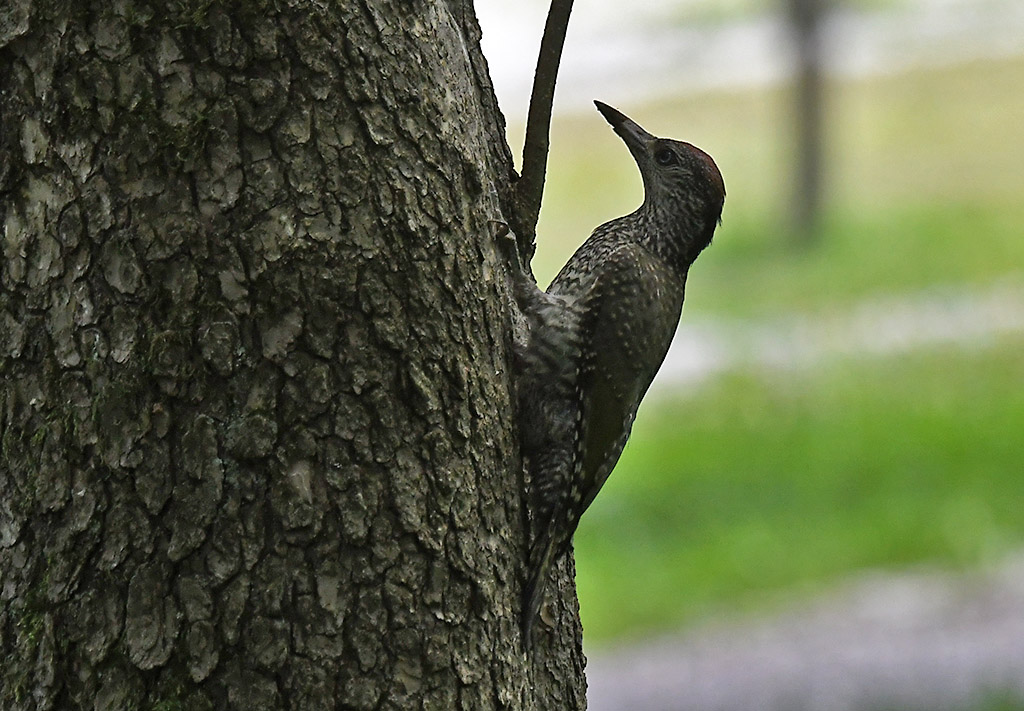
(806, 19)
(256, 447)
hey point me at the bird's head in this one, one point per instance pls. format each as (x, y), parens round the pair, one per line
(683, 188)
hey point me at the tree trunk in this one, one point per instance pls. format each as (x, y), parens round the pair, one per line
(806, 17)
(256, 432)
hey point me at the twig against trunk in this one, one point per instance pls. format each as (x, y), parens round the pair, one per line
(530, 187)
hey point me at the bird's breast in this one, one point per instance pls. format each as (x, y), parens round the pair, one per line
(642, 320)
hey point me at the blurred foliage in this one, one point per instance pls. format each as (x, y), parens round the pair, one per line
(760, 484)
(923, 188)
(714, 11)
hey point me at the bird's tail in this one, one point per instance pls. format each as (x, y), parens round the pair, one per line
(541, 558)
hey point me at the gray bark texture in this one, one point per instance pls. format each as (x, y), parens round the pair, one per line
(257, 446)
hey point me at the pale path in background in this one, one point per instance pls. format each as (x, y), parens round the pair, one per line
(880, 325)
(917, 640)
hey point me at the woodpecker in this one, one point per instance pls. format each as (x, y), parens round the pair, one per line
(599, 334)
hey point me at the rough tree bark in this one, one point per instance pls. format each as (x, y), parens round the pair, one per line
(256, 437)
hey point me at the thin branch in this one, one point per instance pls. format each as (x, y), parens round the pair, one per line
(530, 187)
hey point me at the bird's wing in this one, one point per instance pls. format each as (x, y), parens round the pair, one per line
(611, 381)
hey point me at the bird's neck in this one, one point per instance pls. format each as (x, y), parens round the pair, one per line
(667, 235)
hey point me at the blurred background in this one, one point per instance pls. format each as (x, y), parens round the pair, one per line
(822, 504)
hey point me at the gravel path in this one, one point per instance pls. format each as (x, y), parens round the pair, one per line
(932, 641)
(885, 325)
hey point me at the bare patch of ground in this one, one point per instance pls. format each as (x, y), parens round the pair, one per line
(916, 640)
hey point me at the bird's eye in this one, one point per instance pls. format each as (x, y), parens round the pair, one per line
(665, 156)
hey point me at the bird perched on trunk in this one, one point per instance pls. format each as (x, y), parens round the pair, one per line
(599, 335)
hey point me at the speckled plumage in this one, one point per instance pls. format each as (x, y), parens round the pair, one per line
(599, 335)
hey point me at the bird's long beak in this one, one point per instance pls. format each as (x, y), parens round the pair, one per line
(628, 129)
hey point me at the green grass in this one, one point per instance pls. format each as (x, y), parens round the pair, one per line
(759, 483)
(995, 699)
(887, 250)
